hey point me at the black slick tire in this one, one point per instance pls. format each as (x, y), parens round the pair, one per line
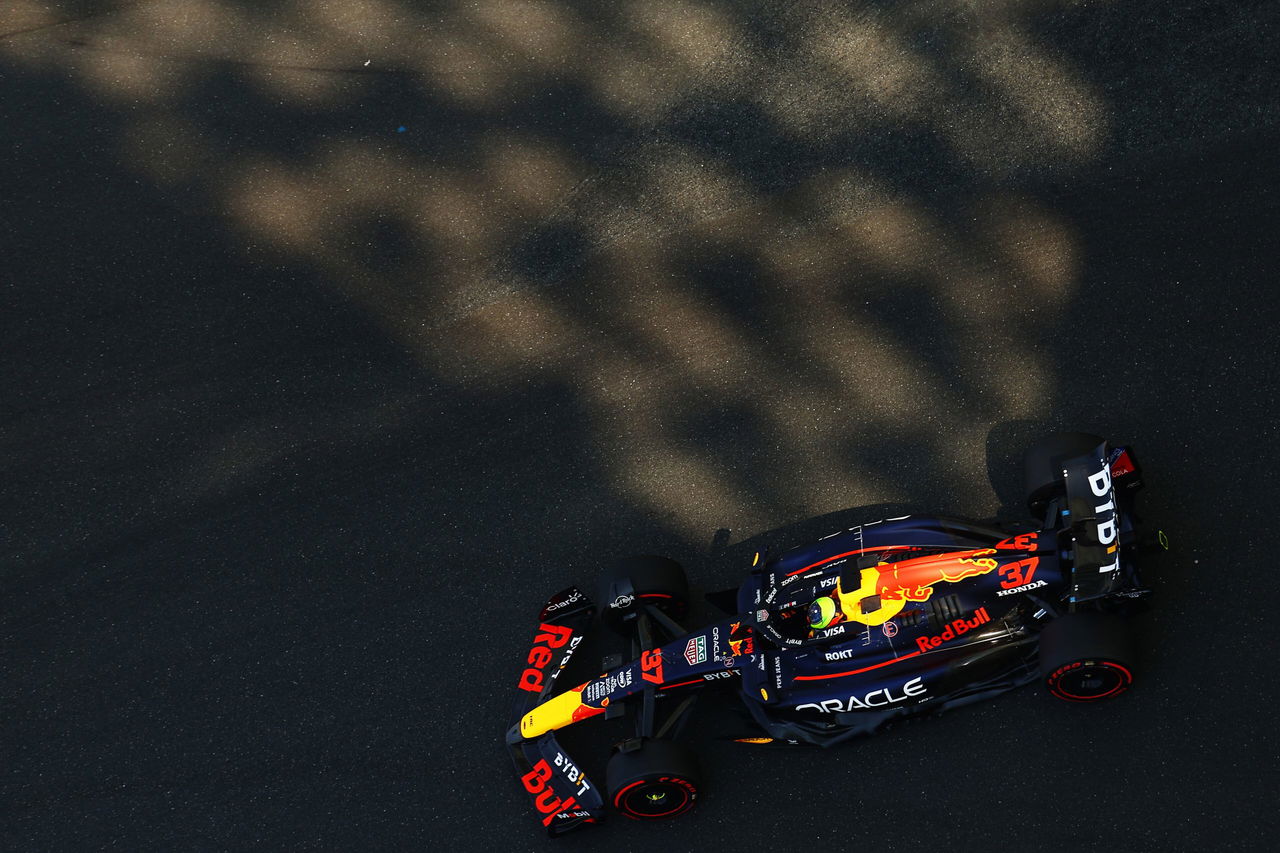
(660, 780)
(632, 582)
(1086, 657)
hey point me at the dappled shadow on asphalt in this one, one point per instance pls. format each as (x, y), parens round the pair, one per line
(345, 328)
(686, 213)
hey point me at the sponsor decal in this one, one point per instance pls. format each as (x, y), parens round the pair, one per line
(890, 629)
(715, 642)
(571, 772)
(622, 602)
(762, 615)
(1018, 573)
(544, 796)
(741, 639)
(1104, 514)
(651, 666)
(792, 578)
(887, 587)
(843, 654)
(564, 659)
(608, 684)
(1120, 462)
(957, 628)
(548, 637)
(695, 651)
(874, 699)
(1025, 588)
(828, 583)
(714, 676)
(565, 602)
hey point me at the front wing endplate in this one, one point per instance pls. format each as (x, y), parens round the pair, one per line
(561, 793)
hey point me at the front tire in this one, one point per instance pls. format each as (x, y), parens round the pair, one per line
(632, 582)
(660, 780)
(1086, 656)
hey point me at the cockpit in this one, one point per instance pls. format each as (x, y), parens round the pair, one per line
(795, 611)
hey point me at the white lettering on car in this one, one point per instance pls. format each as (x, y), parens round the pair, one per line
(1026, 587)
(608, 684)
(874, 699)
(556, 605)
(572, 773)
(1105, 513)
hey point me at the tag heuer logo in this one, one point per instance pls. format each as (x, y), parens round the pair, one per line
(695, 651)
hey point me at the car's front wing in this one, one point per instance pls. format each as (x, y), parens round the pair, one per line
(561, 792)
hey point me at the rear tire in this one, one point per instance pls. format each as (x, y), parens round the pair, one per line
(1086, 657)
(659, 780)
(632, 582)
(1042, 466)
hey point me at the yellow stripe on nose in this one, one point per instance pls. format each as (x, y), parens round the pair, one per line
(555, 713)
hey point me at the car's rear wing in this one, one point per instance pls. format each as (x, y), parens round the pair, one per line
(1097, 526)
(561, 793)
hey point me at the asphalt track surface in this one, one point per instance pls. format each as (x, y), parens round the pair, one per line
(338, 335)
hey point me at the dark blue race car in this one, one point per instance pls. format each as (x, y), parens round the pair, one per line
(901, 617)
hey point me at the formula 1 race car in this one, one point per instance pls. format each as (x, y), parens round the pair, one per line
(902, 617)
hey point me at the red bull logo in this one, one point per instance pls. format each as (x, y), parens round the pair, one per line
(544, 797)
(956, 629)
(549, 637)
(913, 580)
(887, 587)
(894, 584)
(741, 640)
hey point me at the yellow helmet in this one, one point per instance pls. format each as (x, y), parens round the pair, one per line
(822, 612)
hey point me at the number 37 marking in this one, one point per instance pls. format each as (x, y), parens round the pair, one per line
(1019, 573)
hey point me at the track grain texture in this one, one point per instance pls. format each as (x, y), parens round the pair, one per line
(338, 335)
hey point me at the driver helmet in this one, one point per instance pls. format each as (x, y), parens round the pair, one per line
(823, 613)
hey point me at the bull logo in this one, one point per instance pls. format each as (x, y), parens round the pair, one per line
(894, 584)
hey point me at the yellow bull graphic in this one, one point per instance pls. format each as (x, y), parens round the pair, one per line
(894, 584)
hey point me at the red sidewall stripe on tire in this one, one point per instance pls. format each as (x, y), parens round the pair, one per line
(617, 802)
(1123, 683)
